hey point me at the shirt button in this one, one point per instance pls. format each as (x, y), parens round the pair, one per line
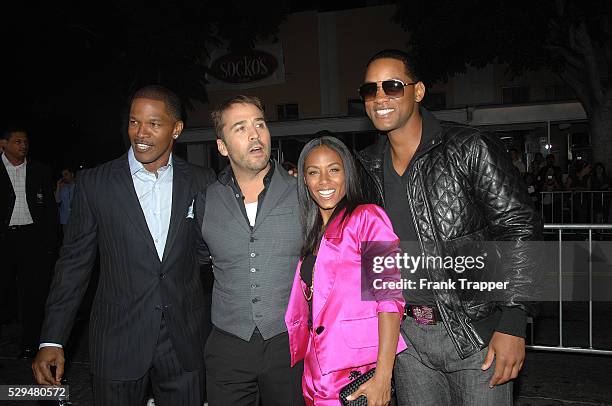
(253, 270)
(252, 255)
(237, 195)
(253, 286)
(255, 300)
(319, 329)
(162, 276)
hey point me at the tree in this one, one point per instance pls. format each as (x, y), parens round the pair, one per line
(77, 63)
(571, 38)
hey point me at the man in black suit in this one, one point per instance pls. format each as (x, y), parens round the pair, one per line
(147, 317)
(28, 227)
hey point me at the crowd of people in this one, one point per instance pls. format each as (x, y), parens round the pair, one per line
(293, 319)
(545, 179)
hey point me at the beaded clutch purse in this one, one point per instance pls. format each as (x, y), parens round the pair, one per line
(354, 385)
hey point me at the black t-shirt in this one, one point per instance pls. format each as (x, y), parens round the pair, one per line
(398, 210)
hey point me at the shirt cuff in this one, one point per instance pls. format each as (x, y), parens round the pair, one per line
(49, 345)
(389, 306)
(513, 321)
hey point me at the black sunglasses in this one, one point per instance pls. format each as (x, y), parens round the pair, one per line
(393, 88)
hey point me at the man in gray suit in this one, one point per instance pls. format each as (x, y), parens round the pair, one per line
(249, 221)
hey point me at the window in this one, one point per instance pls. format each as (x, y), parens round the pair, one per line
(435, 101)
(515, 94)
(287, 111)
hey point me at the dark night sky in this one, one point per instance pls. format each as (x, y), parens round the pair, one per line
(69, 67)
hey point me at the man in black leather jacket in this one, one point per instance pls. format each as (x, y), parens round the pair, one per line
(447, 185)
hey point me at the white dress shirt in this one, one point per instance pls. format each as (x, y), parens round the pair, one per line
(21, 215)
(154, 193)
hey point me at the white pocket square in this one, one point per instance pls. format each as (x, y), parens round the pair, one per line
(190, 211)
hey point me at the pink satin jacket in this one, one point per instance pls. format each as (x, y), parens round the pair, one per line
(345, 327)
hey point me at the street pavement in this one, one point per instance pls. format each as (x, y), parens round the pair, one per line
(548, 378)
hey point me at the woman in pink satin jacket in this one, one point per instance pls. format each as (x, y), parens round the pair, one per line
(338, 324)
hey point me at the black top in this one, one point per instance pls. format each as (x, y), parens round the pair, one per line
(306, 273)
(307, 268)
(396, 206)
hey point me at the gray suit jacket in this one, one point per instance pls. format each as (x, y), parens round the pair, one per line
(253, 266)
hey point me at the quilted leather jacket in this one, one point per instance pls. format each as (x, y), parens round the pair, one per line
(463, 189)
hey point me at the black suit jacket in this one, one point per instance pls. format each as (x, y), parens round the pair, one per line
(135, 287)
(40, 198)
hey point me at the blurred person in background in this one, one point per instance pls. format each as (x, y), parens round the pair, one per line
(578, 182)
(537, 164)
(28, 235)
(551, 202)
(64, 190)
(516, 160)
(532, 187)
(550, 163)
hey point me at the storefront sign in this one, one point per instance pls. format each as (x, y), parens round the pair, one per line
(244, 68)
(262, 66)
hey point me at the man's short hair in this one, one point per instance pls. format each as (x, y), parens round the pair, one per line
(402, 56)
(6, 134)
(163, 94)
(217, 114)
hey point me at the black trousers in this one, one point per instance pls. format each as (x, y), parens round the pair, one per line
(26, 266)
(254, 372)
(172, 385)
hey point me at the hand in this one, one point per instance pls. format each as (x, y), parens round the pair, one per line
(509, 354)
(377, 390)
(41, 366)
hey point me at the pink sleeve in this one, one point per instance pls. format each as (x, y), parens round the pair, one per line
(378, 240)
(390, 306)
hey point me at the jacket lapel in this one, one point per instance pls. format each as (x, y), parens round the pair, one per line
(276, 190)
(181, 200)
(325, 277)
(229, 200)
(127, 198)
(5, 181)
(30, 185)
(6, 187)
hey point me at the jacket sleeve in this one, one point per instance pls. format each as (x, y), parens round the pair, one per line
(502, 196)
(378, 241)
(204, 177)
(73, 268)
(199, 206)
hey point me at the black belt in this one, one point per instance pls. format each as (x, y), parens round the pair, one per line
(423, 314)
